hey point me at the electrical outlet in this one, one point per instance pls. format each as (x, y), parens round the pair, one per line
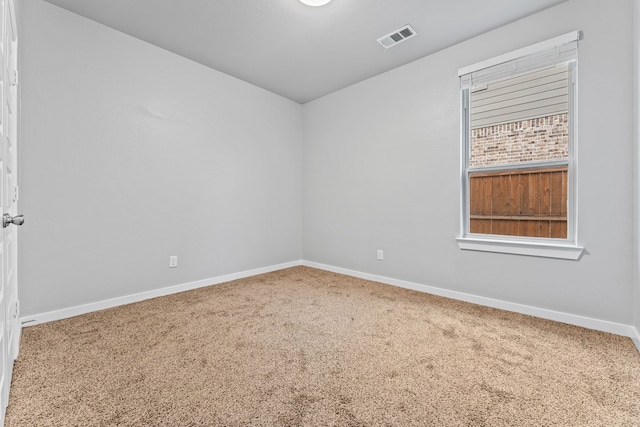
(173, 261)
(380, 255)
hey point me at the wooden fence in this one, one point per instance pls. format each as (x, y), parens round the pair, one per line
(529, 202)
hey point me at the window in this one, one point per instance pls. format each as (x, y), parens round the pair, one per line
(519, 152)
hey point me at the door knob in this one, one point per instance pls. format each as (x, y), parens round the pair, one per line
(15, 220)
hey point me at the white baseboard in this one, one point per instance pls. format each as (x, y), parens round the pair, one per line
(586, 322)
(636, 338)
(128, 299)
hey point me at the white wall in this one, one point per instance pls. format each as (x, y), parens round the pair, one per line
(636, 91)
(130, 154)
(381, 171)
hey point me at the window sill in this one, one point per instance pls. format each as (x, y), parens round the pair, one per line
(558, 250)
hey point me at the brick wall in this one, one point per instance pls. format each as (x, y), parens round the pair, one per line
(543, 138)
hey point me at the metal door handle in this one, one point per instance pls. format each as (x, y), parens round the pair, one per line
(7, 219)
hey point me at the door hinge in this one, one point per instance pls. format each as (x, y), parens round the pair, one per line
(16, 194)
(17, 315)
(15, 78)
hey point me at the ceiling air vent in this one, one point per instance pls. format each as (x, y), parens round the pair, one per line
(397, 36)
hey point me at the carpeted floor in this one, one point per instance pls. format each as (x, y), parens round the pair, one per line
(307, 347)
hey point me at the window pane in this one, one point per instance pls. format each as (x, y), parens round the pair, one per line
(524, 202)
(521, 119)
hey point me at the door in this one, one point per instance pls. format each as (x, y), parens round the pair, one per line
(9, 309)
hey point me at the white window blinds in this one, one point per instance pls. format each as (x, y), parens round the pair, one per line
(549, 53)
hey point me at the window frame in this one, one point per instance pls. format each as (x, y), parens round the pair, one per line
(563, 248)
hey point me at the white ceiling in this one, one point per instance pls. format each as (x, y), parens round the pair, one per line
(298, 51)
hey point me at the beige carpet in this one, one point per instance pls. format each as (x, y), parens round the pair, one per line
(306, 347)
